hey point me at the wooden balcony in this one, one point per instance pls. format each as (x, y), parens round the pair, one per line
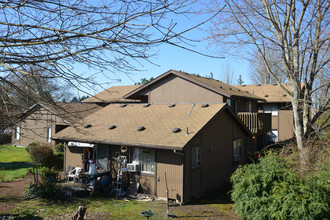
(257, 123)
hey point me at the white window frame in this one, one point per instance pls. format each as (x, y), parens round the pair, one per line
(49, 134)
(17, 132)
(146, 159)
(196, 157)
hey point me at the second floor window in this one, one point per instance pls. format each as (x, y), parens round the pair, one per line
(49, 134)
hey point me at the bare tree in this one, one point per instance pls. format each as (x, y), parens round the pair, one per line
(298, 31)
(105, 36)
(228, 74)
(259, 73)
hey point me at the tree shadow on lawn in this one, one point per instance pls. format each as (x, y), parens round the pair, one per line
(15, 165)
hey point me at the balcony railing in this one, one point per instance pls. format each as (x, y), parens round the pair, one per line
(257, 123)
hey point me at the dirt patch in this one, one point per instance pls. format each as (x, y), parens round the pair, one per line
(11, 193)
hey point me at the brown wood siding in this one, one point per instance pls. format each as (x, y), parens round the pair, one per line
(243, 105)
(73, 157)
(216, 156)
(285, 125)
(174, 89)
(274, 122)
(147, 183)
(171, 163)
(34, 128)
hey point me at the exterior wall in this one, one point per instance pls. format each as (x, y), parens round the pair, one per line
(243, 105)
(171, 163)
(174, 89)
(285, 125)
(34, 128)
(275, 122)
(73, 157)
(217, 164)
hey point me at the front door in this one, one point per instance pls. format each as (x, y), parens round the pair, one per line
(171, 164)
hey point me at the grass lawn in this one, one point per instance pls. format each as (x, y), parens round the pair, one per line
(14, 162)
(109, 208)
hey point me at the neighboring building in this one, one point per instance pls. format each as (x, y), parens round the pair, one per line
(278, 103)
(198, 146)
(41, 121)
(112, 95)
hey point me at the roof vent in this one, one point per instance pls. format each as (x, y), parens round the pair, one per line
(247, 91)
(141, 128)
(112, 127)
(284, 95)
(238, 90)
(266, 95)
(229, 88)
(220, 87)
(123, 105)
(146, 105)
(258, 84)
(205, 105)
(171, 106)
(243, 85)
(87, 125)
(274, 84)
(176, 130)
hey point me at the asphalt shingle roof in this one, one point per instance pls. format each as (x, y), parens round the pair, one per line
(158, 120)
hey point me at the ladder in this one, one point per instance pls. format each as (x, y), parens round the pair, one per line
(119, 182)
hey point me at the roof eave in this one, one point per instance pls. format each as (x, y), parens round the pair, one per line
(119, 143)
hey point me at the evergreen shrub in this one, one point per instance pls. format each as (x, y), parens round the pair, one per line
(270, 190)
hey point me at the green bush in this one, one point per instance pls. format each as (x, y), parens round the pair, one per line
(31, 145)
(42, 154)
(269, 190)
(48, 188)
(59, 148)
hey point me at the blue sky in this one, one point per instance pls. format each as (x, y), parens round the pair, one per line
(171, 57)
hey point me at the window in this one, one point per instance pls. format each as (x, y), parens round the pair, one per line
(237, 149)
(196, 157)
(232, 104)
(249, 106)
(146, 159)
(272, 136)
(17, 132)
(271, 109)
(49, 134)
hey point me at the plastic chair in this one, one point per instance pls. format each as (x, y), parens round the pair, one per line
(74, 173)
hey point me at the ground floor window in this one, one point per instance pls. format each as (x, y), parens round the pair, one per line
(272, 136)
(237, 149)
(145, 158)
(196, 157)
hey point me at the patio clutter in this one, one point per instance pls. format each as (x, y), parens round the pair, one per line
(74, 173)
